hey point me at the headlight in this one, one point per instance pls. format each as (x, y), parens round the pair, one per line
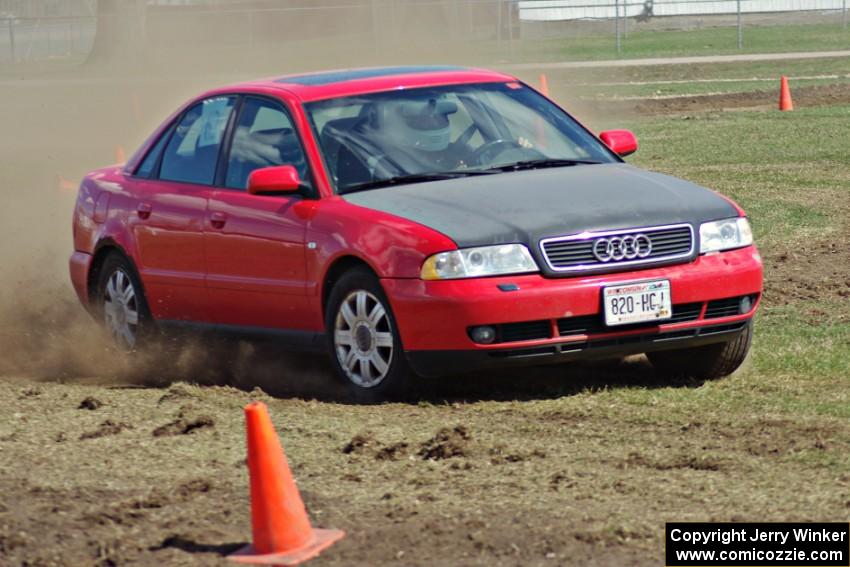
(724, 234)
(476, 262)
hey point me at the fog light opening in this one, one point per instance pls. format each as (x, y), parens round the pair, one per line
(485, 334)
(746, 304)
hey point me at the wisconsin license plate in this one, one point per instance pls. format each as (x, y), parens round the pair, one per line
(637, 302)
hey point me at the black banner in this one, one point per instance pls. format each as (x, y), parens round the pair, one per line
(758, 544)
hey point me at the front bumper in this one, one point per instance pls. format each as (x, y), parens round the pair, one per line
(434, 316)
(430, 363)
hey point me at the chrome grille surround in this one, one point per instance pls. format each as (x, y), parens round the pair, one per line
(574, 253)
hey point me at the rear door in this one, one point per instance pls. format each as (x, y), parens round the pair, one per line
(173, 185)
(256, 269)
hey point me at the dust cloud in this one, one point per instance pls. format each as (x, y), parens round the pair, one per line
(60, 121)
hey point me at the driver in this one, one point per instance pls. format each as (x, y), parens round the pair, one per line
(417, 135)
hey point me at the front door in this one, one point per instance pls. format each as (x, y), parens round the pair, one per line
(256, 268)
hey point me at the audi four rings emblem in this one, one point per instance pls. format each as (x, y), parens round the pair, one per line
(619, 248)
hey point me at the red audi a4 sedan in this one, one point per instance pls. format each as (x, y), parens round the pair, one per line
(413, 222)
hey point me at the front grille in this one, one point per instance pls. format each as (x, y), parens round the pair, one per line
(723, 308)
(592, 324)
(575, 253)
(574, 348)
(685, 312)
(727, 307)
(595, 324)
(525, 331)
(582, 325)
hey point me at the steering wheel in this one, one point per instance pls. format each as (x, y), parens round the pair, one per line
(491, 149)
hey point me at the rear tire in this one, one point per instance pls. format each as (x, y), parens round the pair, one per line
(365, 347)
(121, 305)
(708, 362)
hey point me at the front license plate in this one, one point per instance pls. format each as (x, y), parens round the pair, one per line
(637, 302)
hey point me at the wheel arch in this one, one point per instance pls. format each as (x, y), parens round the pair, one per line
(335, 271)
(103, 250)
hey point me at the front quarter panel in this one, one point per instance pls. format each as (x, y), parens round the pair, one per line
(393, 247)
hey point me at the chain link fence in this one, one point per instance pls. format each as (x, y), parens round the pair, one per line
(554, 18)
(44, 39)
(66, 31)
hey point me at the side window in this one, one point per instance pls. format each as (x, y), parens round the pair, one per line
(147, 165)
(192, 153)
(264, 136)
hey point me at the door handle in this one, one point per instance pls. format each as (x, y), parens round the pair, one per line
(218, 220)
(144, 210)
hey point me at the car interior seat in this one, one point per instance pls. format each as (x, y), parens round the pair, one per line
(346, 167)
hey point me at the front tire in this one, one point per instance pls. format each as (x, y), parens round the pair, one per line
(121, 304)
(708, 362)
(365, 346)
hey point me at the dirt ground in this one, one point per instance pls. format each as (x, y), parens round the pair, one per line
(107, 461)
(803, 96)
(818, 270)
(808, 96)
(110, 475)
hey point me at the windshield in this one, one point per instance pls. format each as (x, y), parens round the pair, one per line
(404, 136)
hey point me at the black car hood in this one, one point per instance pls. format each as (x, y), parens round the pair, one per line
(525, 206)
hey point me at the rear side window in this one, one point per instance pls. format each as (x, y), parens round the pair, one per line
(264, 136)
(149, 163)
(192, 152)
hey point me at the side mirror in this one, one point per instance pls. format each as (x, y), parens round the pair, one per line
(274, 180)
(621, 142)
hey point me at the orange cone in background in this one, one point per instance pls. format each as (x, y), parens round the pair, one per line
(785, 95)
(65, 185)
(281, 528)
(120, 155)
(544, 84)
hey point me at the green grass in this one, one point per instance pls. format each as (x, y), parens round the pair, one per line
(701, 88)
(706, 71)
(792, 343)
(787, 170)
(696, 79)
(680, 43)
(596, 85)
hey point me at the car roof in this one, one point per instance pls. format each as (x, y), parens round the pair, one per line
(348, 82)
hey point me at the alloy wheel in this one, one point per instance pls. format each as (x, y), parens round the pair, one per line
(121, 309)
(363, 339)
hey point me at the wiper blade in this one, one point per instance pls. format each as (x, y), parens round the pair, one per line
(541, 163)
(415, 178)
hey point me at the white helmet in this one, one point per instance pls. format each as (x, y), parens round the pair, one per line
(422, 124)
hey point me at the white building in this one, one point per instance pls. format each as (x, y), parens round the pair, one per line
(558, 10)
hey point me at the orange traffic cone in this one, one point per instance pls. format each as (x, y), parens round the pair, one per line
(785, 95)
(65, 185)
(544, 84)
(281, 528)
(120, 155)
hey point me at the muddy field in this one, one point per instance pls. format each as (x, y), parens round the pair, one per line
(805, 96)
(117, 476)
(108, 461)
